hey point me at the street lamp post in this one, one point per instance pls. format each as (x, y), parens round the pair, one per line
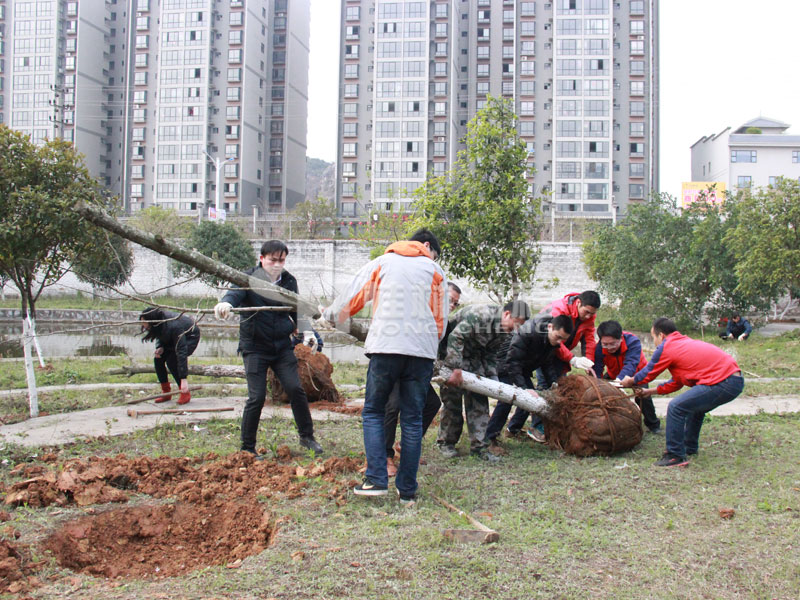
(217, 162)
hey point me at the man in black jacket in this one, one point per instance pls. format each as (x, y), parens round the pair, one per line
(265, 341)
(532, 347)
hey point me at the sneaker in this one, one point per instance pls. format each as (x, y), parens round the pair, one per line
(448, 450)
(367, 488)
(312, 444)
(408, 501)
(691, 452)
(487, 456)
(656, 431)
(670, 460)
(496, 448)
(513, 434)
(536, 435)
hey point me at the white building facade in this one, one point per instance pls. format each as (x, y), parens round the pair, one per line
(159, 93)
(582, 74)
(753, 155)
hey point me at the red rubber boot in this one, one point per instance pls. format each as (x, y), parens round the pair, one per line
(165, 387)
(184, 398)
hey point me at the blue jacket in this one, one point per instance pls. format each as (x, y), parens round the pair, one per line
(737, 329)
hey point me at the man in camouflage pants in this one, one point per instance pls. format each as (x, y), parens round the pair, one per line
(474, 343)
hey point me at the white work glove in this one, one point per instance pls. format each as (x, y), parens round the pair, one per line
(730, 336)
(581, 362)
(223, 310)
(322, 322)
(310, 340)
(741, 337)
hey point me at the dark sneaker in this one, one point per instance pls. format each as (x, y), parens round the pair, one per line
(312, 444)
(448, 450)
(513, 434)
(367, 488)
(656, 431)
(691, 452)
(670, 460)
(496, 448)
(408, 501)
(487, 456)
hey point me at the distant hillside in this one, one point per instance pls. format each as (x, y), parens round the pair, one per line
(320, 179)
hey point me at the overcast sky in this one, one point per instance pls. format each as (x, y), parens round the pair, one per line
(723, 62)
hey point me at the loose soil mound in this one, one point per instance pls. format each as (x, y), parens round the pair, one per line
(161, 541)
(218, 516)
(590, 416)
(16, 569)
(102, 480)
(315, 372)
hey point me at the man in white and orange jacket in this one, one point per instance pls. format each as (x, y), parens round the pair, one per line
(408, 291)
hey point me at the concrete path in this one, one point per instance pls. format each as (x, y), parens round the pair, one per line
(114, 420)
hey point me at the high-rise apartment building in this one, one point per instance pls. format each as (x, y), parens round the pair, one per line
(582, 75)
(158, 94)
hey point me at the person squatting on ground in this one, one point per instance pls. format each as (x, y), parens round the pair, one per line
(620, 354)
(432, 402)
(265, 341)
(176, 339)
(738, 328)
(478, 336)
(535, 346)
(581, 309)
(408, 291)
(711, 373)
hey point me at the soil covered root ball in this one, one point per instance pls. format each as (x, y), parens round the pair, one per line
(314, 369)
(589, 416)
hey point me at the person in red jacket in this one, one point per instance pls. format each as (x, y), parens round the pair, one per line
(711, 373)
(581, 308)
(620, 354)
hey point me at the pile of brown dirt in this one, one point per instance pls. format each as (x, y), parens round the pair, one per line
(162, 541)
(217, 518)
(101, 480)
(16, 569)
(315, 371)
(589, 416)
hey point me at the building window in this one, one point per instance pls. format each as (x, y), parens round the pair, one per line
(637, 47)
(353, 13)
(351, 71)
(796, 156)
(349, 149)
(637, 27)
(636, 191)
(744, 156)
(351, 51)
(637, 129)
(637, 150)
(636, 169)
(637, 88)
(350, 129)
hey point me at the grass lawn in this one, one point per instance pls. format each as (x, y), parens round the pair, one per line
(612, 527)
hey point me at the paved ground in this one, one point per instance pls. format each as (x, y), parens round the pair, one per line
(114, 420)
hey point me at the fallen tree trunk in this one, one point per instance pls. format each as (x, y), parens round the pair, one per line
(525, 399)
(203, 263)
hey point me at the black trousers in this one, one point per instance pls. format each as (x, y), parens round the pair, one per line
(169, 360)
(284, 365)
(429, 411)
(651, 421)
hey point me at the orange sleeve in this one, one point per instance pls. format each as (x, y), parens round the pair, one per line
(437, 302)
(367, 292)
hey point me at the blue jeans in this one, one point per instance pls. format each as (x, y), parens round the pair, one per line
(686, 412)
(413, 375)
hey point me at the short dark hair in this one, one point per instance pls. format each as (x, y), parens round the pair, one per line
(518, 309)
(736, 314)
(426, 235)
(609, 328)
(456, 289)
(270, 247)
(590, 298)
(664, 325)
(562, 322)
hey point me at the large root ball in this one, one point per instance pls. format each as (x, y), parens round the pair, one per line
(590, 416)
(314, 369)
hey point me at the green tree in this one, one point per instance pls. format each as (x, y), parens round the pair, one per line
(766, 240)
(41, 237)
(222, 242)
(660, 261)
(317, 216)
(481, 210)
(162, 221)
(109, 264)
